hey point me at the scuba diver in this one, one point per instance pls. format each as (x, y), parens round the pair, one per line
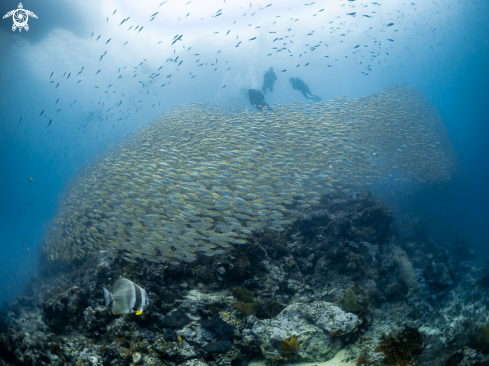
(303, 88)
(257, 99)
(268, 81)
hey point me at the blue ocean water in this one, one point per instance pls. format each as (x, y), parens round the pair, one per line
(441, 48)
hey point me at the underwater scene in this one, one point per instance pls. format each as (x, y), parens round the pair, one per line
(229, 182)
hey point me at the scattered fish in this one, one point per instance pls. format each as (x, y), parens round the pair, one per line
(176, 39)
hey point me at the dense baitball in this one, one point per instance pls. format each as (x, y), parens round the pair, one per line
(202, 178)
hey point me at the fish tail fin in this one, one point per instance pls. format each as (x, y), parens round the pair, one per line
(107, 297)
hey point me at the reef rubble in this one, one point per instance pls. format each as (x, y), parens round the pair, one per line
(339, 277)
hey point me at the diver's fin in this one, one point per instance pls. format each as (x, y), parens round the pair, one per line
(107, 297)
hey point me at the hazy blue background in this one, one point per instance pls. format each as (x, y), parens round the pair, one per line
(440, 47)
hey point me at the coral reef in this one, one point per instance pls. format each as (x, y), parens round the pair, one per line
(339, 277)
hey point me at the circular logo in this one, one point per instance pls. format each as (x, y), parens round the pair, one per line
(20, 18)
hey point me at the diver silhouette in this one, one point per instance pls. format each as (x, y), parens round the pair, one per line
(298, 84)
(257, 99)
(268, 81)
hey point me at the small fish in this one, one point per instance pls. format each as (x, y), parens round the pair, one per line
(98, 71)
(51, 74)
(58, 110)
(41, 113)
(56, 85)
(126, 298)
(114, 11)
(57, 100)
(224, 86)
(228, 32)
(284, 70)
(125, 43)
(252, 39)
(101, 58)
(78, 81)
(177, 39)
(97, 38)
(140, 29)
(155, 14)
(390, 39)
(390, 24)
(51, 120)
(351, 13)
(20, 119)
(68, 76)
(92, 35)
(108, 41)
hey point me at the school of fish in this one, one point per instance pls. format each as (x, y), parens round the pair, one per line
(202, 178)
